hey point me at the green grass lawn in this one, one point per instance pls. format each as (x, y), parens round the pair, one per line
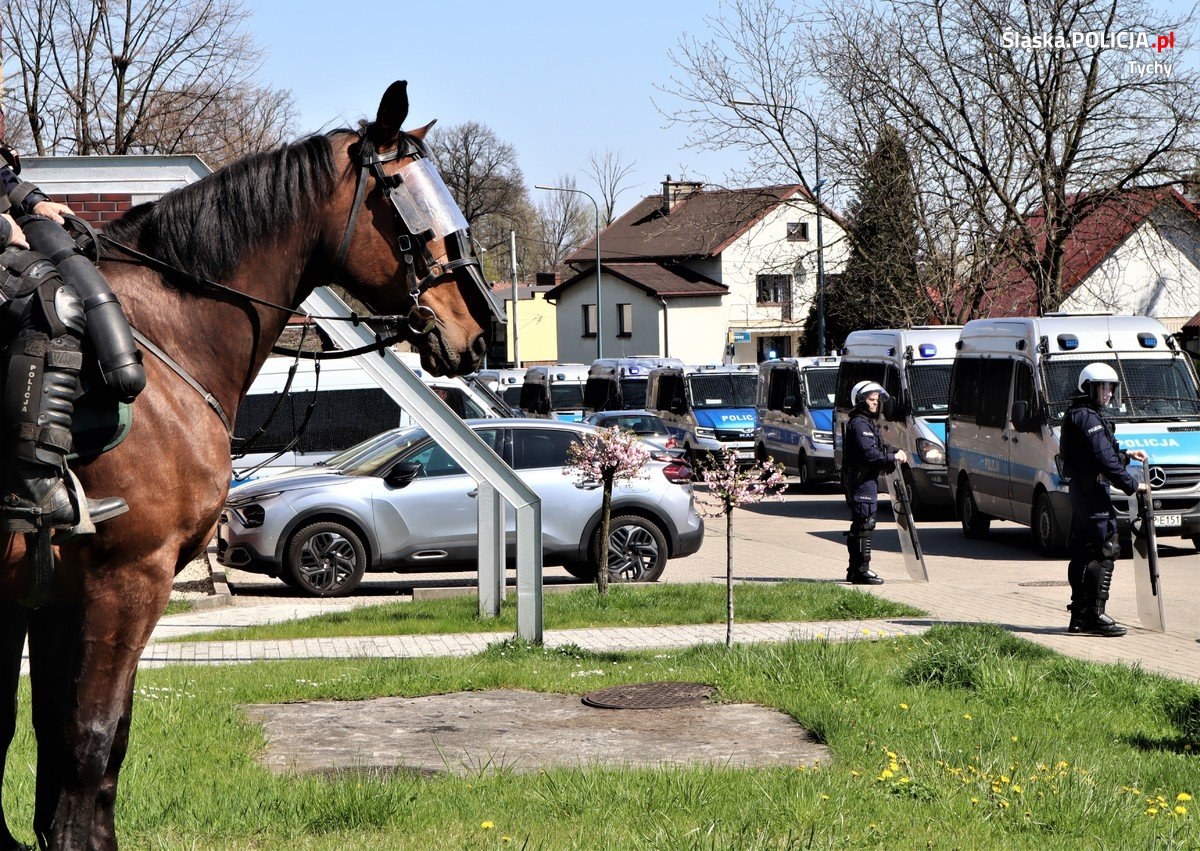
(622, 606)
(964, 738)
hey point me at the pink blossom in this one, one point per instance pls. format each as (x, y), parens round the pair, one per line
(607, 455)
(730, 484)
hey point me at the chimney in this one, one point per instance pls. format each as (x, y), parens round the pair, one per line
(674, 191)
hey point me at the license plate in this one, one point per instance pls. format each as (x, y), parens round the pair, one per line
(1167, 521)
(745, 453)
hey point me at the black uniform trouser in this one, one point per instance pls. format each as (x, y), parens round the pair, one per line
(863, 501)
(1095, 546)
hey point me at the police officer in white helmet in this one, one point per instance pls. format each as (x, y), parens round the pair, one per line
(1094, 462)
(864, 457)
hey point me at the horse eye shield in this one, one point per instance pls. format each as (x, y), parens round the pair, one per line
(424, 202)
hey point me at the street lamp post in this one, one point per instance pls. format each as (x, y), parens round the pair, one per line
(816, 193)
(599, 310)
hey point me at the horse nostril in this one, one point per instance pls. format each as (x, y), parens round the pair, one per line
(479, 346)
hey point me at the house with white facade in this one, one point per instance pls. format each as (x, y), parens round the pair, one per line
(704, 275)
(1136, 253)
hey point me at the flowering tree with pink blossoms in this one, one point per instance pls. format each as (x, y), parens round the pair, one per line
(608, 455)
(729, 484)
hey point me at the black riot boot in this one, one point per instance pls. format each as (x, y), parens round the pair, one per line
(1087, 616)
(859, 572)
(42, 381)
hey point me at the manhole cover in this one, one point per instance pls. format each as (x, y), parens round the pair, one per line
(1045, 583)
(649, 696)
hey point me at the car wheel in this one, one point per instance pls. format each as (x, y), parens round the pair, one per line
(1044, 525)
(326, 559)
(803, 471)
(920, 508)
(1196, 541)
(975, 524)
(637, 550)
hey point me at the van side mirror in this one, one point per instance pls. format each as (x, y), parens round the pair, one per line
(402, 473)
(791, 406)
(677, 406)
(890, 409)
(1023, 419)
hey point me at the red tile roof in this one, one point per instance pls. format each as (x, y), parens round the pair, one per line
(1012, 292)
(700, 225)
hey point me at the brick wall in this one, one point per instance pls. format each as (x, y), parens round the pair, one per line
(97, 209)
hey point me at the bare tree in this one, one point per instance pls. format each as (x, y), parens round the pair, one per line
(565, 222)
(999, 126)
(480, 169)
(609, 170)
(141, 76)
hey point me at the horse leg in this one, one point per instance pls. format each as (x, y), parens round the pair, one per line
(116, 624)
(12, 641)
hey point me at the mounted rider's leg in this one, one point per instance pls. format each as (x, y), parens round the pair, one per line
(42, 382)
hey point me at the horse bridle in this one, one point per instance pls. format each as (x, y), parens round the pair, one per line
(421, 318)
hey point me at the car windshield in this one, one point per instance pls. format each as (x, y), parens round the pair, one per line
(566, 397)
(639, 424)
(723, 389)
(367, 463)
(820, 386)
(929, 384)
(1152, 389)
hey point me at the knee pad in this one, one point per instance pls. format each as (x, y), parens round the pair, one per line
(1110, 549)
(869, 524)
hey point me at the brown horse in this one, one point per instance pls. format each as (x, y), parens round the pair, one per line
(273, 226)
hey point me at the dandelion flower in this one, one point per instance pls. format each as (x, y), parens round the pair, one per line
(824, 797)
(904, 706)
(1180, 810)
(1151, 811)
(487, 825)
(1014, 738)
(1183, 796)
(854, 774)
(967, 715)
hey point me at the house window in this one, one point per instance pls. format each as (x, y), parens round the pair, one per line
(624, 320)
(797, 231)
(589, 320)
(774, 289)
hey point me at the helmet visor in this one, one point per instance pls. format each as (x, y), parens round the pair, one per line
(425, 203)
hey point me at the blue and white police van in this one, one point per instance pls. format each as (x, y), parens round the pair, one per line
(1012, 384)
(913, 366)
(707, 408)
(619, 384)
(795, 415)
(505, 383)
(554, 392)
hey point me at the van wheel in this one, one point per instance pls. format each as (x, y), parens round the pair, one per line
(326, 559)
(975, 524)
(803, 471)
(1044, 525)
(920, 510)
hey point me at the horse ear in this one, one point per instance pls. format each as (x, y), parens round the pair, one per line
(421, 131)
(393, 109)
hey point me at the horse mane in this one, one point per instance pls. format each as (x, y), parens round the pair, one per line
(206, 228)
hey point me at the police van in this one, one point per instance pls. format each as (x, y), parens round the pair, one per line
(703, 404)
(795, 415)
(347, 407)
(554, 392)
(913, 366)
(505, 383)
(1013, 382)
(619, 384)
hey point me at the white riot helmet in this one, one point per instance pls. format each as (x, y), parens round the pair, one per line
(1094, 376)
(863, 389)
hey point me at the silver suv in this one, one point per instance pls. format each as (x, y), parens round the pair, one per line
(402, 503)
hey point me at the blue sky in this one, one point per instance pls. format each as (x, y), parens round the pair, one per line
(556, 80)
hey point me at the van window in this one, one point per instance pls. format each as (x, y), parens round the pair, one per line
(929, 386)
(1151, 388)
(512, 395)
(565, 396)
(781, 383)
(1023, 389)
(460, 403)
(599, 394)
(964, 388)
(852, 372)
(723, 389)
(1062, 382)
(633, 393)
(670, 387)
(533, 398)
(994, 379)
(342, 418)
(820, 386)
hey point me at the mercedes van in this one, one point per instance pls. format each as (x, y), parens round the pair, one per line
(702, 404)
(554, 392)
(616, 384)
(794, 404)
(913, 366)
(1013, 381)
(505, 383)
(347, 406)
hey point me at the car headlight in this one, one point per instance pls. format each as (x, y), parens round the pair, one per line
(930, 452)
(701, 431)
(249, 510)
(822, 437)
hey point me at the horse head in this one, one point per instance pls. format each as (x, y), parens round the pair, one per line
(405, 246)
